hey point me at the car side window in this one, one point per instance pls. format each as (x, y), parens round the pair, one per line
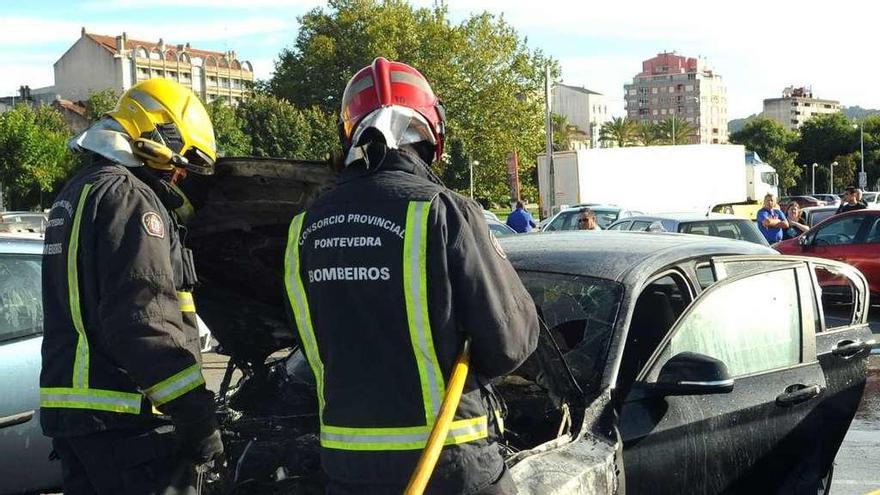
(752, 325)
(21, 301)
(873, 236)
(564, 221)
(658, 307)
(620, 226)
(838, 297)
(840, 232)
(640, 225)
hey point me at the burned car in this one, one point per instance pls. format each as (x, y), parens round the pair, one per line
(666, 364)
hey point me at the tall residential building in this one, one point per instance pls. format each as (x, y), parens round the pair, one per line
(797, 106)
(97, 62)
(670, 84)
(586, 110)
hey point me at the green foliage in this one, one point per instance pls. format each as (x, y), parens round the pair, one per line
(647, 133)
(674, 130)
(279, 129)
(619, 132)
(99, 103)
(490, 82)
(772, 142)
(34, 156)
(562, 133)
(228, 129)
(825, 137)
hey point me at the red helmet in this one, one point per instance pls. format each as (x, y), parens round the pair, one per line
(399, 90)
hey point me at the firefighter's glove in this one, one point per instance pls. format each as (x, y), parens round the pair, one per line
(200, 440)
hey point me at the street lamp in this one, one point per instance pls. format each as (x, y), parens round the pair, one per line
(473, 162)
(831, 182)
(862, 178)
(814, 178)
(805, 178)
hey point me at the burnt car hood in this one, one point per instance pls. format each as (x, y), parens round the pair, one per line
(238, 236)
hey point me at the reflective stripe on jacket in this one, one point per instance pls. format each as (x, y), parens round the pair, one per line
(119, 337)
(385, 274)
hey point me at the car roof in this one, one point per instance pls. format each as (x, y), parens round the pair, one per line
(685, 216)
(626, 257)
(21, 243)
(818, 208)
(592, 206)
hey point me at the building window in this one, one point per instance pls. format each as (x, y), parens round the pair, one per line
(224, 82)
(143, 73)
(654, 90)
(662, 111)
(715, 141)
(632, 91)
(158, 73)
(212, 80)
(185, 76)
(806, 104)
(714, 130)
(692, 76)
(672, 89)
(654, 112)
(172, 74)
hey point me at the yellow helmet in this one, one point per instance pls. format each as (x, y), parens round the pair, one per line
(168, 126)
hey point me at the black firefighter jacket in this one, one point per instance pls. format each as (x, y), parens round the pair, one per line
(387, 274)
(120, 340)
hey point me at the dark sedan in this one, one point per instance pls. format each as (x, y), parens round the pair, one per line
(716, 364)
(713, 224)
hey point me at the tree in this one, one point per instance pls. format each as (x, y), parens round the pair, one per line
(675, 131)
(647, 133)
(489, 80)
(279, 129)
(34, 156)
(773, 143)
(825, 137)
(100, 102)
(228, 129)
(562, 133)
(618, 131)
(762, 135)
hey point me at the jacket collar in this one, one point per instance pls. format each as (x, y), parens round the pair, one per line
(386, 159)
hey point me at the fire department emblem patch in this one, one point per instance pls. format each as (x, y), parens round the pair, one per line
(497, 246)
(153, 224)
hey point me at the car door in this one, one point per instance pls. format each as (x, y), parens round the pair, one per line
(842, 239)
(843, 344)
(24, 451)
(760, 323)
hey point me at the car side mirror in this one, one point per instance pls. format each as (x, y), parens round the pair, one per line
(690, 373)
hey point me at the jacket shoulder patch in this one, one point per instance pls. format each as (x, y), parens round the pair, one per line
(497, 246)
(153, 224)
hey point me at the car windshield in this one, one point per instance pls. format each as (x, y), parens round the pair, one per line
(740, 229)
(818, 216)
(568, 220)
(21, 303)
(500, 229)
(580, 312)
(869, 197)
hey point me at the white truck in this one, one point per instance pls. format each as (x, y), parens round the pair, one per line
(697, 177)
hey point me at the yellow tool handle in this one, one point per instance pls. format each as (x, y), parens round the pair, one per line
(428, 459)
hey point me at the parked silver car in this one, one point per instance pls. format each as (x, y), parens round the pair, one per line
(24, 451)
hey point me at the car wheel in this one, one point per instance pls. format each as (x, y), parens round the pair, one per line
(824, 485)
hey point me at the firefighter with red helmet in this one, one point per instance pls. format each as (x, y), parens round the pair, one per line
(387, 274)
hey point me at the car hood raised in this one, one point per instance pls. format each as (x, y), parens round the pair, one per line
(238, 236)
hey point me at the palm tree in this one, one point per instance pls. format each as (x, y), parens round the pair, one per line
(620, 131)
(648, 133)
(683, 131)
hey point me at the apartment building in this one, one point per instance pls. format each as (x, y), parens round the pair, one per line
(685, 87)
(584, 109)
(97, 62)
(797, 106)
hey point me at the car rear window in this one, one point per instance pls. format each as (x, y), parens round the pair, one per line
(21, 300)
(740, 229)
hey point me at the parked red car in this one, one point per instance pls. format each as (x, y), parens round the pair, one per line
(804, 201)
(852, 237)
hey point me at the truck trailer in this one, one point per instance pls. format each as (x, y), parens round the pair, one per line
(699, 177)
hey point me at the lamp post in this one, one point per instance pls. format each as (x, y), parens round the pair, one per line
(831, 182)
(473, 162)
(863, 179)
(805, 178)
(814, 178)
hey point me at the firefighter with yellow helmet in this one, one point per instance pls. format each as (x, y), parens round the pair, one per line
(121, 389)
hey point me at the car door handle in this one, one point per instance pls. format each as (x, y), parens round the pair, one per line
(847, 348)
(795, 394)
(16, 419)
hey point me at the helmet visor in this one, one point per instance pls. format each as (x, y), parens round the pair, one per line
(398, 126)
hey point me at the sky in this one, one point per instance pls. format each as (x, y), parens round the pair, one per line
(758, 47)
